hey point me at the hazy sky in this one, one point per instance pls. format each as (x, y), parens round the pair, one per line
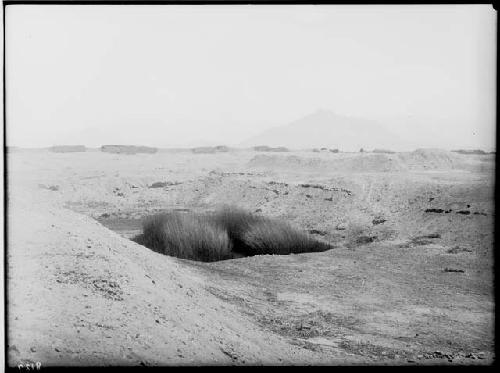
(189, 75)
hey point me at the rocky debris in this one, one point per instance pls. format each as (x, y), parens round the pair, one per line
(213, 172)
(107, 288)
(453, 270)
(117, 192)
(54, 188)
(437, 211)
(458, 249)
(326, 188)
(341, 227)
(452, 355)
(363, 240)
(318, 232)
(420, 240)
(163, 184)
(277, 183)
(378, 220)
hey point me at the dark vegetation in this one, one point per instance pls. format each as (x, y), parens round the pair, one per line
(227, 233)
(186, 236)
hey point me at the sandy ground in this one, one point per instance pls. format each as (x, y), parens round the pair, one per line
(410, 280)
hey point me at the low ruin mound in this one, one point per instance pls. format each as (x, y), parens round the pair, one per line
(356, 163)
(433, 159)
(127, 149)
(210, 149)
(265, 148)
(67, 148)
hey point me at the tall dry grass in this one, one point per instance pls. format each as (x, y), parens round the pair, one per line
(220, 235)
(279, 238)
(186, 236)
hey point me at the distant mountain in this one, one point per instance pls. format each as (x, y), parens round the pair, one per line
(327, 129)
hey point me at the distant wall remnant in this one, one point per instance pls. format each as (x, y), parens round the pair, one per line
(265, 148)
(210, 149)
(204, 150)
(475, 151)
(67, 148)
(127, 149)
(383, 151)
(222, 148)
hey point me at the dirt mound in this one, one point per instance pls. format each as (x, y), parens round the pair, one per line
(81, 295)
(355, 163)
(432, 159)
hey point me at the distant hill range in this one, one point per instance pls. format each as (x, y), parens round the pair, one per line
(327, 129)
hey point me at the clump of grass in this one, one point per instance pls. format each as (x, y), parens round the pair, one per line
(271, 236)
(235, 220)
(257, 235)
(186, 236)
(223, 234)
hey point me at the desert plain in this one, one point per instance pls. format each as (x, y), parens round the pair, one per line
(408, 281)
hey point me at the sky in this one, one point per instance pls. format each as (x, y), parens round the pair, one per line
(218, 74)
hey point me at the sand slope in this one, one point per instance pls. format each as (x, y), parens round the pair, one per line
(80, 294)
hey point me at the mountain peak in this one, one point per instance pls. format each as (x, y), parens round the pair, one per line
(324, 128)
